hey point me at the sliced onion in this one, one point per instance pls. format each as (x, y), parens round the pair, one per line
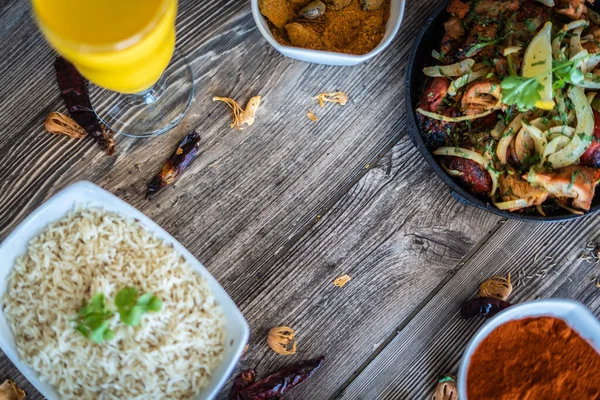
(592, 62)
(582, 138)
(498, 129)
(547, 3)
(512, 204)
(465, 79)
(561, 131)
(575, 45)
(538, 138)
(446, 118)
(512, 50)
(590, 96)
(524, 145)
(507, 137)
(556, 144)
(540, 123)
(452, 172)
(580, 23)
(473, 156)
(457, 69)
(436, 54)
(587, 84)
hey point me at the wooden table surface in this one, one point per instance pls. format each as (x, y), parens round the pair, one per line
(279, 210)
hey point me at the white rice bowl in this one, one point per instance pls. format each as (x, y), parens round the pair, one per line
(171, 354)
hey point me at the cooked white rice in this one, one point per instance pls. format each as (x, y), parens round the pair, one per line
(170, 355)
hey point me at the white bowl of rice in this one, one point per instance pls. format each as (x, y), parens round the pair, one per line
(84, 241)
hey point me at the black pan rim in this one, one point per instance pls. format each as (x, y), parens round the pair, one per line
(414, 132)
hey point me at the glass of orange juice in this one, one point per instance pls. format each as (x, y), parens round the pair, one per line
(142, 86)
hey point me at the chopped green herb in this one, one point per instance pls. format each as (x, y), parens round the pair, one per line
(131, 307)
(94, 318)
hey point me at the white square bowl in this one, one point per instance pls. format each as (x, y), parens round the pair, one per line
(577, 317)
(329, 57)
(86, 193)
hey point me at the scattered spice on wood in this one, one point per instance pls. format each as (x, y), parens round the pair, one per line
(534, 358)
(340, 281)
(10, 391)
(242, 381)
(446, 388)
(275, 385)
(311, 116)
(281, 340)
(484, 306)
(241, 116)
(74, 90)
(186, 152)
(496, 287)
(342, 26)
(59, 124)
(340, 98)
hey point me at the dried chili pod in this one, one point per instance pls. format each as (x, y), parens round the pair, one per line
(74, 90)
(279, 383)
(243, 380)
(486, 306)
(179, 160)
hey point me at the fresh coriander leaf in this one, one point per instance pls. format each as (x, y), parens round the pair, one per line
(109, 334)
(145, 299)
(155, 304)
(522, 92)
(98, 301)
(132, 317)
(127, 297)
(83, 330)
(98, 334)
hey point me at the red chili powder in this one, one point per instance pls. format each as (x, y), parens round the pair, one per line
(534, 359)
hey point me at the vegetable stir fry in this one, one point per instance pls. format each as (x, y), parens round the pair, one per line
(511, 107)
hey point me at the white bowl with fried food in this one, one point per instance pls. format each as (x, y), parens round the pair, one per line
(329, 57)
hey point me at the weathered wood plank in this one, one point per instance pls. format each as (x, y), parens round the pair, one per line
(397, 233)
(543, 260)
(242, 206)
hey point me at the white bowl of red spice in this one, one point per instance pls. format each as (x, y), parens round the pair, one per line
(539, 350)
(391, 27)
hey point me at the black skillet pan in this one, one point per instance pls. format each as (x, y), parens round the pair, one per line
(427, 40)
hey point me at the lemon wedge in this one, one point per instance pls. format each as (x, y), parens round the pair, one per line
(537, 61)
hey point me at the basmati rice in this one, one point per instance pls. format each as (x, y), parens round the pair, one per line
(171, 354)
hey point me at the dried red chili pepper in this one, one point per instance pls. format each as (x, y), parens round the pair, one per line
(486, 306)
(279, 383)
(179, 160)
(74, 91)
(243, 380)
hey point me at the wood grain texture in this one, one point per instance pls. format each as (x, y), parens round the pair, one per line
(247, 207)
(545, 261)
(397, 233)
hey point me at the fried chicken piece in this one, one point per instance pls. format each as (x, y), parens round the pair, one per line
(454, 35)
(479, 33)
(493, 8)
(512, 188)
(572, 182)
(458, 8)
(571, 8)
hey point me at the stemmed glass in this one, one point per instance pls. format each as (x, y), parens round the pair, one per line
(141, 85)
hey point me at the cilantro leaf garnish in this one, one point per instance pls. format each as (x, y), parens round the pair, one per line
(131, 307)
(522, 92)
(93, 319)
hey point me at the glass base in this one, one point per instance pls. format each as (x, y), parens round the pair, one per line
(153, 111)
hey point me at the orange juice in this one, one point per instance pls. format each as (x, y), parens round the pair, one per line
(121, 45)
